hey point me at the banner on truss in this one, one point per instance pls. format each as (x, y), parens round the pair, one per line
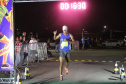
(6, 36)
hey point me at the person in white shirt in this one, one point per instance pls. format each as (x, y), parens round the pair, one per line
(33, 48)
(125, 41)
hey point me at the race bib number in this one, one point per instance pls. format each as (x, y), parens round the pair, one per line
(64, 44)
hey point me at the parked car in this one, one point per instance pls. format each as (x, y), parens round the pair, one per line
(109, 43)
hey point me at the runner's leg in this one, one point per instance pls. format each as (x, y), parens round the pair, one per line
(61, 59)
(61, 67)
(67, 61)
(67, 58)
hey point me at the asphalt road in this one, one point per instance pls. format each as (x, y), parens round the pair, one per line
(88, 66)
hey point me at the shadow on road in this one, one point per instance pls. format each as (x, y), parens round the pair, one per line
(114, 78)
(109, 71)
(47, 80)
(95, 63)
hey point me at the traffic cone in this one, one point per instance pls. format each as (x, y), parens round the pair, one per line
(116, 69)
(122, 68)
(122, 74)
(18, 79)
(27, 73)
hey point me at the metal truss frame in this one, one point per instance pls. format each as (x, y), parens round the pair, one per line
(9, 80)
(22, 1)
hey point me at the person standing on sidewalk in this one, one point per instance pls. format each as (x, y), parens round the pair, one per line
(57, 46)
(83, 42)
(17, 51)
(65, 42)
(33, 48)
(88, 42)
(25, 50)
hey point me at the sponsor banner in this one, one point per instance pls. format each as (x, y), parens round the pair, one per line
(6, 36)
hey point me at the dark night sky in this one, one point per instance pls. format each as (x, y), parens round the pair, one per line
(37, 16)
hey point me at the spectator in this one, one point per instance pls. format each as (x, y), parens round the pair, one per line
(100, 39)
(17, 51)
(30, 35)
(24, 35)
(57, 46)
(21, 39)
(125, 41)
(48, 43)
(25, 49)
(24, 41)
(37, 37)
(88, 42)
(83, 42)
(33, 48)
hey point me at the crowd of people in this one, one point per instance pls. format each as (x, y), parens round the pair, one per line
(32, 39)
(22, 40)
(63, 42)
(84, 40)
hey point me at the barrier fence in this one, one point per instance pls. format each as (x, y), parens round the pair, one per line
(31, 53)
(34, 52)
(75, 46)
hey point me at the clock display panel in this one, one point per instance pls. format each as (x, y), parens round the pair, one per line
(73, 5)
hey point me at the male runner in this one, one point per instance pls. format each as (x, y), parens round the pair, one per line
(65, 38)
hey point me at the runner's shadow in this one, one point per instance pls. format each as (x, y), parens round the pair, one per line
(48, 80)
(92, 63)
(114, 78)
(109, 71)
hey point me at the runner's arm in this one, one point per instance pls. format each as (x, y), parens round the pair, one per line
(56, 37)
(72, 38)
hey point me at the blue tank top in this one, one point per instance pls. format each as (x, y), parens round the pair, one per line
(64, 45)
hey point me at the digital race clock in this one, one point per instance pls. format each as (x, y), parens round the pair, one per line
(72, 5)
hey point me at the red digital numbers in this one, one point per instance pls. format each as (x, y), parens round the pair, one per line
(73, 5)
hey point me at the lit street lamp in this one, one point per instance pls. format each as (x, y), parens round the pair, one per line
(109, 30)
(105, 27)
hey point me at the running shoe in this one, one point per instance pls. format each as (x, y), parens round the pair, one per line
(61, 78)
(66, 70)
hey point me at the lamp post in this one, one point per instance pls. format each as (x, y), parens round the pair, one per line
(110, 33)
(82, 33)
(109, 30)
